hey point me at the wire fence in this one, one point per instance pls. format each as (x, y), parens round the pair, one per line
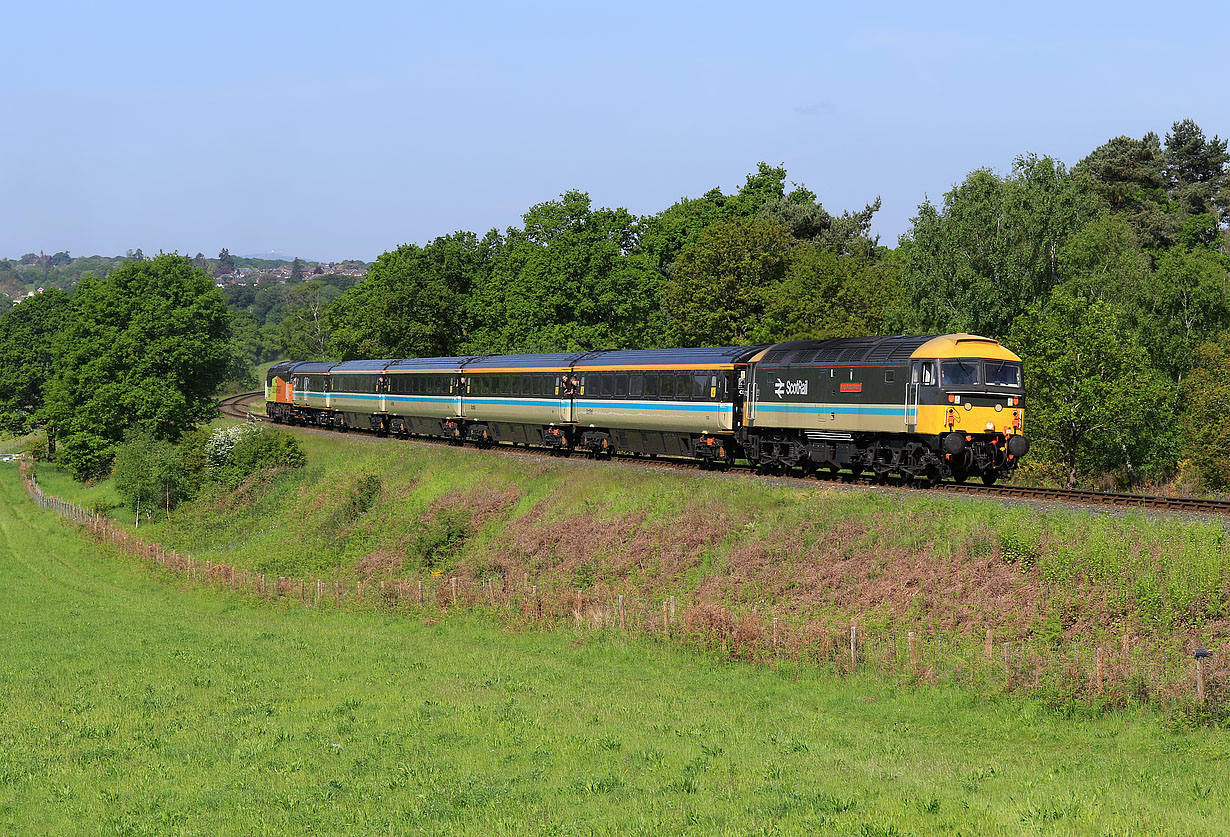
(1129, 669)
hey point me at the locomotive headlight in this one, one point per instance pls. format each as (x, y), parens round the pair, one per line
(999, 408)
(969, 405)
(990, 425)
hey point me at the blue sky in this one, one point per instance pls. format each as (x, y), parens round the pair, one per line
(334, 131)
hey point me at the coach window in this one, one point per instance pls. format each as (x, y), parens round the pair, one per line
(683, 385)
(621, 385)
(666, 385)
(606, 382)
(636, 385)
(651, 384)
(700, 387)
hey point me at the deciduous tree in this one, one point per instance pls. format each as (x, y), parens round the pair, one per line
(145, 347)
(27, 346)
(1093, 400)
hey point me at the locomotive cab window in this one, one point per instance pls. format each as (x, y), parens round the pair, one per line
(1003, 373)
(958, 373)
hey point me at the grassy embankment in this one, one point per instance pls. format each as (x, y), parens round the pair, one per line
(379, 509)
(135, 706)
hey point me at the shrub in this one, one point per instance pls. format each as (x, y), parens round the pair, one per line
(36, 448)
(222, 442)
(149, 473)
(235, 453)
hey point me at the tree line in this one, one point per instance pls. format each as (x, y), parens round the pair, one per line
(1111, 278)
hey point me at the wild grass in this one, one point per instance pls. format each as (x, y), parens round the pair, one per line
(371, 509)
(133, 706)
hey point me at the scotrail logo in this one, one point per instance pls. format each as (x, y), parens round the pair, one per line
(782, 388)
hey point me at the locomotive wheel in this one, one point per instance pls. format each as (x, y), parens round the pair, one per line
(989, 477)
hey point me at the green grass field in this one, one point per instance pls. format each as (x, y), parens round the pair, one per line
(135, 706)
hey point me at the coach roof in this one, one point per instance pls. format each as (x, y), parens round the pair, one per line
(662, 358)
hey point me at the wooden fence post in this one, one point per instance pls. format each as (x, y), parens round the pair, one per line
(453, 581)
(620, 606)
(1200, 680)
(853, 646)
(913, 653)
(988, 649)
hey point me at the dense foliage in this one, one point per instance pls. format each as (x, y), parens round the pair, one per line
(1118, 263)
(145, 347)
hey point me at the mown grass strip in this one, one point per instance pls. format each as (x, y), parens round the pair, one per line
(136, 707)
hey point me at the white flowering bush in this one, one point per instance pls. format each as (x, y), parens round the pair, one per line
(222, 442)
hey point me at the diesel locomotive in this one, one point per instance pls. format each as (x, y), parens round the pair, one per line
(917, 408)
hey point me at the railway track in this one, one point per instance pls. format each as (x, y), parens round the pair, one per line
(236, 407)
(1093, 498)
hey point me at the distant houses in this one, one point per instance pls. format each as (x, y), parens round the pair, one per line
(245, 276)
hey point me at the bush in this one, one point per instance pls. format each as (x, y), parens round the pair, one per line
(235, 453)
(36, 448)
(149, 473)
(222, 442)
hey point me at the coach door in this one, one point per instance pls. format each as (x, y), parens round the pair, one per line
(911, 395)
(457, 388)
(566, 388)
